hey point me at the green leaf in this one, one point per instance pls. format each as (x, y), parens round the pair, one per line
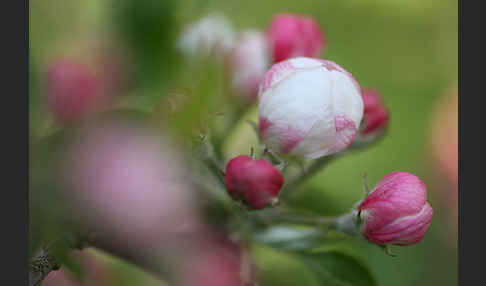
(149, 29)
(280, 268)
(337, 269)
(294, 238)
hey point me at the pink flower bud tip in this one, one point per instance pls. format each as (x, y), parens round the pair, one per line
(255, 182)
(396, 211)
(375, 113)
(295, 36)
(73, 90)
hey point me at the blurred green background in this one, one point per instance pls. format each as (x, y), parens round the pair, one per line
(406, 49)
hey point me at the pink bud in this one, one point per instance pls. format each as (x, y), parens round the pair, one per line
(248, 62)
(375, 113)
(295, 36)
(443, 150)
(396, 211)
(255, 182)
(309, 108)
(73, 91)
(216, 263)
(127, 184)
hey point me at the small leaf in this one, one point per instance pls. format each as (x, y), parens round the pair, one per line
(333, 268)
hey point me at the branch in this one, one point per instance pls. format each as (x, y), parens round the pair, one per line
(40, 266)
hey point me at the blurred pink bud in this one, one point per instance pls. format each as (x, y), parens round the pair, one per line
(219, 262)
(445, 137)
(211, 35)
(255, 182)
(295, 36)
(87, 76)
(128, 185)
(73, 91)
(309, 107)
(396, 211)
(248, 62)
(93, 272)
(443, 148)
(375, 113)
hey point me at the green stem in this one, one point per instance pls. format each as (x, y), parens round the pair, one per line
(315, 166)
(344, 223)
(219, 139)
(279, 215)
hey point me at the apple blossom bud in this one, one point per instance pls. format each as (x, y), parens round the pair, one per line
(212, 34)
(396, 211)
(73, 91)
(444, 157)
(248, 62)
(127, 184)
(255, 182)
(375, 114)
(218, 261)
(309, 107)
(294, 36)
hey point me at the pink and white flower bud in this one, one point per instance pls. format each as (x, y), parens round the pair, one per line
(295, 36)
(72, 90)
(309, 108)
(248, 62)
(396, 211)
(375, 114)
(212, 34)
(255, 182)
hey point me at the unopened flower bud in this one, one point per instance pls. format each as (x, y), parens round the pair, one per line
(127, 184)
(248, 62)
(396, 211)
(73, 91)
(375, 115)
(295, 36)
(309, 107)
(212, 34)
(255, 182)
(218, 262)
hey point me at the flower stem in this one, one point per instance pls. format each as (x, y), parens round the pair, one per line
(311, 170)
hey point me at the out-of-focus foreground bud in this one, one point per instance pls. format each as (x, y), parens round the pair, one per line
(127, 185)
(212, 34)
(219, 262)
(309, 107)
(255, 182)
(294, 36)
(396, 211)
(375, 116)
(248, 62)
(93, 272)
